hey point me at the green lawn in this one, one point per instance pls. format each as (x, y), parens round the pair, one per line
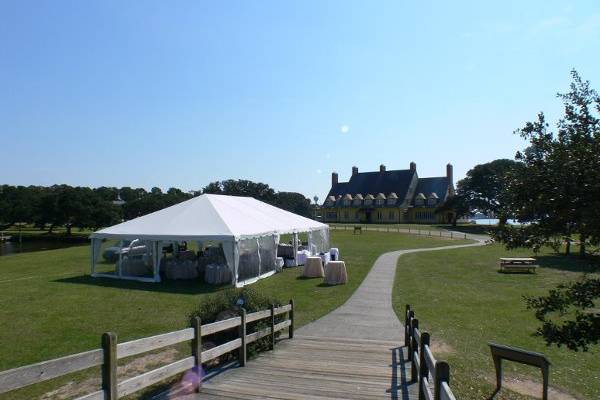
(461, 299)
(51, 307)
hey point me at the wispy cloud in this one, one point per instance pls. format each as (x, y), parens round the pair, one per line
(344, 128)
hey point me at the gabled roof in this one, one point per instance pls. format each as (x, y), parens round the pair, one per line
(211, 216)
(438, 185)
(397, 181)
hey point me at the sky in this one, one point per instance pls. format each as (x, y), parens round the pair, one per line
(183, 93)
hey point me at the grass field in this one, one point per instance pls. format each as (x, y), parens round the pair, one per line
(461, 299)
(51, 307)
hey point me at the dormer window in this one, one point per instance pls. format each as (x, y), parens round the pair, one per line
(380, 199)
(369, 200)
(347, 200)
(420, 199)
(392, 199)
(432, 200)
(358, 199)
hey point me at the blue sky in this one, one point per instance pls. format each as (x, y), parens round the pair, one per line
(180, 93)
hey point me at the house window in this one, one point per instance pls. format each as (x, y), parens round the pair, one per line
(379, 202)
(357, 216)
(432, 201)
(368, 202)
(391, 202)
(379, 215)
(392, 215)
(331, 215)
(346, 215)
(419, 202)
(346, 203)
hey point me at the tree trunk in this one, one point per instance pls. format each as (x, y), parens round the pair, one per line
(51, 228)
(582, 239)
(568, 248)
(68, 229)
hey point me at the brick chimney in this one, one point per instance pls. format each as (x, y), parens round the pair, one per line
(413, 166)
(382, 168)
(334, 178)
(354, 171)
(450, 173)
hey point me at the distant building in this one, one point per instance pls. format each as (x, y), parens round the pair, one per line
(388, 197)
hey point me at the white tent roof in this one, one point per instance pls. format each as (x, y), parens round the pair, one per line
(211, 217)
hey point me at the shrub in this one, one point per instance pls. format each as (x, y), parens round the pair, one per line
(228, 304)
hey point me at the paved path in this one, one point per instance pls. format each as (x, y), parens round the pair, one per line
(354, 352)
(368, 313)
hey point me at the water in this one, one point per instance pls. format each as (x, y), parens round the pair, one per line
(493, 221)
(34, 245)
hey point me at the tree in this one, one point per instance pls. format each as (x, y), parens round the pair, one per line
(558, 190)
(484, 188)
(567, 314)
(294, 202)
(456, 205)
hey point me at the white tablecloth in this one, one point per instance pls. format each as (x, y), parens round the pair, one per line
(302, 256)
(313, 268)
(335, 273)
(325, 257)
(335, 253)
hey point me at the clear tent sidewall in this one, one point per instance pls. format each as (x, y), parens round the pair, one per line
(248, 258)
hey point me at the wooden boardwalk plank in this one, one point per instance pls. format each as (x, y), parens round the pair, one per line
(318, 369)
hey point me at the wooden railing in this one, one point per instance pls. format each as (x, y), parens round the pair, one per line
(424, 367)
(111, 352)
(398, 229)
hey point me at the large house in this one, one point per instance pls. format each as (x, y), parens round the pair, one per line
(387, 197)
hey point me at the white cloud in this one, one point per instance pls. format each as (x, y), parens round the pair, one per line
(319, 172)
(344, 128)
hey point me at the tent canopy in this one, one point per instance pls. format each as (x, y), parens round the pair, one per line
(212, 217)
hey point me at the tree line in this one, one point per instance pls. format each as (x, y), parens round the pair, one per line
(49, 207)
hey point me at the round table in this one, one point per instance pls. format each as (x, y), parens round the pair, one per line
(313, 268)
(335, 273)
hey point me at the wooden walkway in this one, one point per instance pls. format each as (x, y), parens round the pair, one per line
(318, 368)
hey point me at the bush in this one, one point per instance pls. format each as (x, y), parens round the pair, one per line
(228, 304)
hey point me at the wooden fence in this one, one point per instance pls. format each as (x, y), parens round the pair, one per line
(111, 351)
(424, 367)
(398, 229)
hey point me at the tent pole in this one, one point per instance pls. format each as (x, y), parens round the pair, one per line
(93, 271)
(120, 258)
(295, 243)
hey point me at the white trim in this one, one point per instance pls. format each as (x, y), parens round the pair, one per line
(252, 280)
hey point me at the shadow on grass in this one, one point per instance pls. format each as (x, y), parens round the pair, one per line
(570, 263)
(168, 286)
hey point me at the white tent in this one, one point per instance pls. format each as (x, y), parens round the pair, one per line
(248, 230)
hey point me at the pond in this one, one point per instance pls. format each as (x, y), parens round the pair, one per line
(7, 248)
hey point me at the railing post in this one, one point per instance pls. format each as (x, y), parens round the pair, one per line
(424, 371)
(406, 321)
(272, 345)
(465, 235)
(197, 345)
(411, 317)
(451, 234)
(442, 374)
(414, 374)
(109, 366)
(291, 314)
(242, 351)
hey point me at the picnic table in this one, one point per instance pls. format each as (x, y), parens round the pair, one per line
(357, 229)
(517, 264)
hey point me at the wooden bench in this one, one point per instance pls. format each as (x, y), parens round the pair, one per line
(357, 229)
(517, 265)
